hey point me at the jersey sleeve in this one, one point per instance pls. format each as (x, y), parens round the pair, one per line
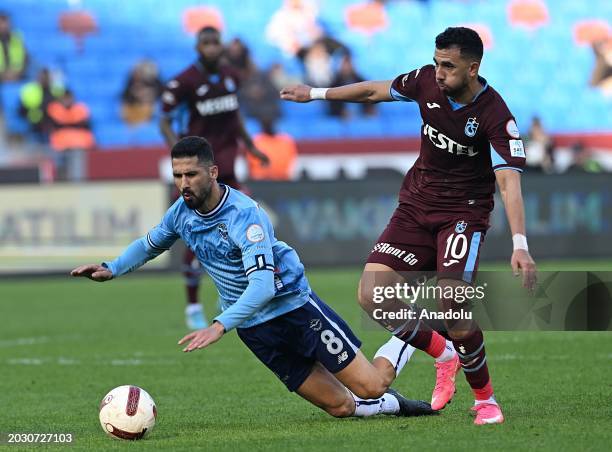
(507, 149)
(142, 250)
(405, 87)
(175, 92)
(251, 232)
(163, 236)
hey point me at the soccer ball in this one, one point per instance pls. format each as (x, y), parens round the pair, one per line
(127, 412)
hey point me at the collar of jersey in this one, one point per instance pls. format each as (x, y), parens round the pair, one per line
(218, 207)
(456, 105)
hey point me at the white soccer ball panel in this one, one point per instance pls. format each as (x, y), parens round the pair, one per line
(127, 412)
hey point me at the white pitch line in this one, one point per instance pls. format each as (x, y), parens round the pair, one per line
(8, 343)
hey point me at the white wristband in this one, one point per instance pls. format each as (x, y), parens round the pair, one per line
(318, 93)
(520, 242)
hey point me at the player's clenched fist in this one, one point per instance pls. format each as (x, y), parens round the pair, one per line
(94, 272)
(296, 93)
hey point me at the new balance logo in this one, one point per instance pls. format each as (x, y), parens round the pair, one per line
(432, 105)
(342, 357)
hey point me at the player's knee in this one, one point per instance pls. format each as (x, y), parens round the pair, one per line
(344, 409)
(373, 388)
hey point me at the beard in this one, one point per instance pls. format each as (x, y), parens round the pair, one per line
(458, 91)
(193, 201)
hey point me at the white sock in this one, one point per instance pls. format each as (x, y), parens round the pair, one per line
(387, 404)
(192, 308)
(490, 400)
(397, 352)
(448, 353)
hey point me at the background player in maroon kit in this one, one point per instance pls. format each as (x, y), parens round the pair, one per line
(207, 89)
(469, 141)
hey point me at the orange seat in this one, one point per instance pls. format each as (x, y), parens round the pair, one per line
(369, 17)
(528, 13)
(198, 17)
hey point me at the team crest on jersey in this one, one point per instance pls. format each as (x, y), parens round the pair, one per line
(315, 324)
(460, 227)
(230, 85)
(471, 126)
(222, 228)
(203, 89)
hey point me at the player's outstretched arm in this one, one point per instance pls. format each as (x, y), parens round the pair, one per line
(94, 272)
(509, 182)
(369, 91)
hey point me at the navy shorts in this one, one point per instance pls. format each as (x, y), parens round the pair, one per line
(290, 344)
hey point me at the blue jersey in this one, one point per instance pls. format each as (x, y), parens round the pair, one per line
(233, 241)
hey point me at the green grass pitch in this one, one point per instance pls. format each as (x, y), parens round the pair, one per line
(65, 342)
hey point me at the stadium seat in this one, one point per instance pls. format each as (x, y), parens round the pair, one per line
(519, 64)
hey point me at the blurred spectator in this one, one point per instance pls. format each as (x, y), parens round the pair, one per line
(259, 96)
(540, 148)
(318, 60)
(280, 149)
(280, 78)
(70, 136)
(602, 72)
(318, 70)
(347, 74)
(34, 98)
(584, 160)
(141, 92)
(294, 26)
(239, 56)
(13, 54)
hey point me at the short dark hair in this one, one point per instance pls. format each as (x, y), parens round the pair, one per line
(468, 41)
(208, 29)
(194, 147)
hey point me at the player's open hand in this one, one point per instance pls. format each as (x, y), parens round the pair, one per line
(203, 338)
(296, 93)
(94, 272)
(522, 263)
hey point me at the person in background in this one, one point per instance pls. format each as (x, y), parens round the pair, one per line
(141, 93)
(281, 150)
(346, 75)
(259, 96)
(13, 53)
(70, 135)
(294, 26)
(319, 60)
(34, 98)
(584, 161)
(601, 76)
(540, 148)
(238, 56)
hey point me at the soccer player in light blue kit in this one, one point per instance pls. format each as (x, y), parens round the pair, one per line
(265, 295)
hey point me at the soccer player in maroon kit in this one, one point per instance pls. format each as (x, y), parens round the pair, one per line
(469, 141)
(208, 91)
